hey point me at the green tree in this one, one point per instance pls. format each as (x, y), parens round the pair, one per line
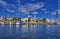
(36, 20)
(19, 19)
(14, 19)
(44, 19)
(29, 19)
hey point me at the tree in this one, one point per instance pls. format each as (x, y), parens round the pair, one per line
(14, 19)
(19, 19)
(29, 19)
(44, 19)
(36, 20)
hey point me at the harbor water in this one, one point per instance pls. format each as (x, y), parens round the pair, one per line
(29, 32)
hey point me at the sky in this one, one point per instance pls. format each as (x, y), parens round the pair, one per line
(29, 8)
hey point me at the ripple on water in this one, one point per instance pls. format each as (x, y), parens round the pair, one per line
(30, 32)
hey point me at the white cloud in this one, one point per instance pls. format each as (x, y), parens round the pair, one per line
(33, 0)
(18, 1)
(44, 9)
(25, 9)
(7, 6)
(28, 15)
(3, 3)
(10, 10)
(34, 12)
(30, 7)
(22, 9)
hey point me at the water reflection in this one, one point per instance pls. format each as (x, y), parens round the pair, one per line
(29, 32)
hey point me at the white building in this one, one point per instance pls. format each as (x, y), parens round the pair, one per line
(25, 20)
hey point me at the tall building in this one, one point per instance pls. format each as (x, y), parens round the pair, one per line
(56, 15)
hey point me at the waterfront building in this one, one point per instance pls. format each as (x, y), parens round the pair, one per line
(26, 20)
(1, 19)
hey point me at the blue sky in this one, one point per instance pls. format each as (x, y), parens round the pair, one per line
(25, 8)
